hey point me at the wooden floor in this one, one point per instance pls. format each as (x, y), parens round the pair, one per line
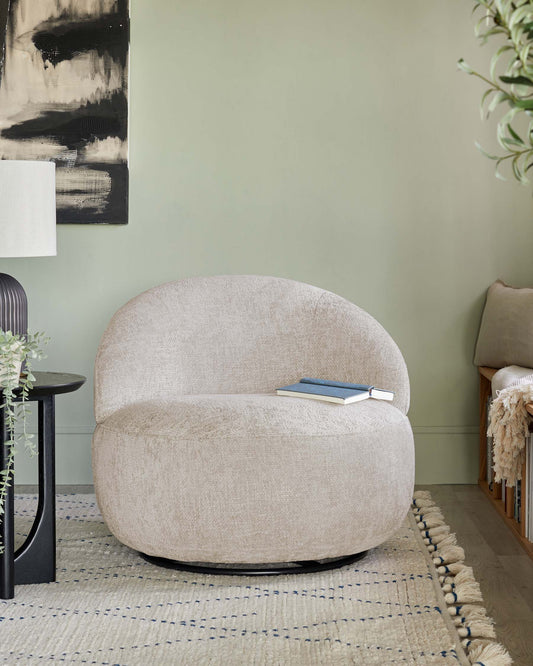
(501, 566)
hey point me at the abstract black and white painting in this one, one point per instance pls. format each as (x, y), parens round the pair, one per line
(64, 97)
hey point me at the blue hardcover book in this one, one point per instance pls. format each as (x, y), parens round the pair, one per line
(340, 395)
(377, 393)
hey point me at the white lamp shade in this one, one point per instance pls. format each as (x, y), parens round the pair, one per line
(27, 209)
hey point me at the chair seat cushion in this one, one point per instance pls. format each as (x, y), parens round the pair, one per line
(253, 477)
(249, 416)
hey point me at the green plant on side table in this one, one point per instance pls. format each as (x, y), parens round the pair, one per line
(511, 23)
(16, 351)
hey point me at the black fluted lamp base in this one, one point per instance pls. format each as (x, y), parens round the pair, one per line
(13, 306)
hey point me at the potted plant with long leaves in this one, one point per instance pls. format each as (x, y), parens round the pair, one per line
(510, 79)
(16, 352)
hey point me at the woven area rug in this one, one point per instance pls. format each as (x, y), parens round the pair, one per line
(109, 606)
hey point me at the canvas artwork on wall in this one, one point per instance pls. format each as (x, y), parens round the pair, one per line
(64, 97)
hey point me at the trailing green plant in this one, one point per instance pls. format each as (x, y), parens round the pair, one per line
(512, 24)
(16, 351)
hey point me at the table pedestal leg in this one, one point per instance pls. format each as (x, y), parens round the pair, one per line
(35, 560)
(7, 527)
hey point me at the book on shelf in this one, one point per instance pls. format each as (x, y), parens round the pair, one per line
(528, 490)
(342, 393)
(521, 495)
(490, 472)
(527, 484)
(504, 494)
(518, 501)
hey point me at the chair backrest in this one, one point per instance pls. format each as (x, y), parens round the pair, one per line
(239, 334)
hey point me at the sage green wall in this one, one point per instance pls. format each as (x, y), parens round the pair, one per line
(329, 142)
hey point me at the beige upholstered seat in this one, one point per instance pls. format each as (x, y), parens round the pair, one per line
(196, 459)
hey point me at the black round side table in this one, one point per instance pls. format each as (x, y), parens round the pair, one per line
(35, 560)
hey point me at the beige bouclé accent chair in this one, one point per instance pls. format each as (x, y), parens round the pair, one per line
(195, 457)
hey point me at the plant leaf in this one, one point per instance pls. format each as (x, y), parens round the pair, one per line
(483, 152)
(526, 104)
(498, 98)
(496, 57)
(514, 134)
(516, 80)
(463, 66)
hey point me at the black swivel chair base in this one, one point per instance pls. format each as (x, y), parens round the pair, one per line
(279, 568)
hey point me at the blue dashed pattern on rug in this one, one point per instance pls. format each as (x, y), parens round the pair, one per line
(110, 607)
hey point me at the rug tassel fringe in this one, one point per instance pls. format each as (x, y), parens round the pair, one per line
(440, 541)
(468, 613)
(492, 654)
(436, 531)
(421, 494)
(463, 588)
(449, 555)
(430, 520)
(465, 576)
(427, 511)
(477, 629)
(460, 589)
(423, 501)
(425, 505)
(452, 569)
(468, 593)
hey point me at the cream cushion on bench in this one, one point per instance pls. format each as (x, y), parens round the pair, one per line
(196, 459)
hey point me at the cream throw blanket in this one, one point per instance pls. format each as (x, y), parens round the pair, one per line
(509, 427)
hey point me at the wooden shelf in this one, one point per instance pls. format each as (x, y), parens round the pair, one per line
(510, 522)
(495, 493)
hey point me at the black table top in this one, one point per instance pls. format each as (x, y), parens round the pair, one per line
(51, 383)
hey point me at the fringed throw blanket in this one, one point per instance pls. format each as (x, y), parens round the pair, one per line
(509, 427)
